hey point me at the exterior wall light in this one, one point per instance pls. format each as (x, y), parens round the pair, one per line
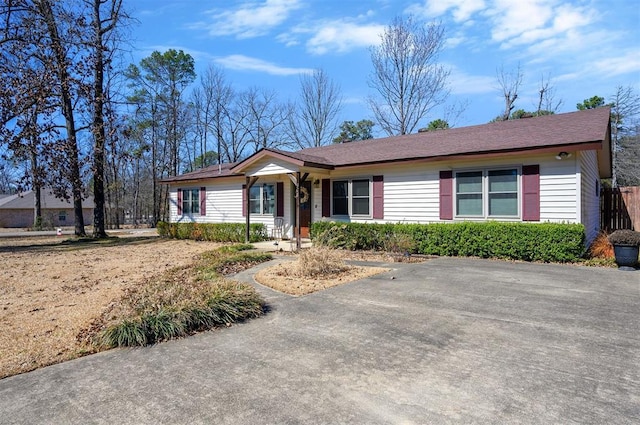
(563, 155)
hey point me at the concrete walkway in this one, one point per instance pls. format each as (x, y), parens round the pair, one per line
(447, 341)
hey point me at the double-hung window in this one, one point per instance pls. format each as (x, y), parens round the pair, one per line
(487, 193)
(262, 199)
(190, 201)
(351, 197)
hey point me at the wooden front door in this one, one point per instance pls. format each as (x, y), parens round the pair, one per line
(305, 209)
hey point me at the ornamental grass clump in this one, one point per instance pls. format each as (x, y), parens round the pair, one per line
(319, 262)
(183, 301)
(625, 237)
(601, 247)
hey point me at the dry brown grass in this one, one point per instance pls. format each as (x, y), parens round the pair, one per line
(50, 291)
(315, 269)
(319, 262)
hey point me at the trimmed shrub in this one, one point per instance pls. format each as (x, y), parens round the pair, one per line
(548, 242)
(212, 232)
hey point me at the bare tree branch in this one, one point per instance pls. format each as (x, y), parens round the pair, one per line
(406, 77)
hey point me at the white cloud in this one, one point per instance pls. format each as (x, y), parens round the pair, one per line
(529, 23)
(511, 23)
(511, 19)
(246, 63)
(250, 19)
(462, 83)
(343, 36)
(625, 62)
(461, 10)
(334, 36)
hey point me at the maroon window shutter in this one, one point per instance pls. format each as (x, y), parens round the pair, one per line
(531, 193)
(378, 196)
(244, 200)
(279, 199)
(446, 195)
(179, 201)
(326, 198)
(203, 201)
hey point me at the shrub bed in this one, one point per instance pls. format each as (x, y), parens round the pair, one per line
(212, 232)
(183, 301)
(548, 242)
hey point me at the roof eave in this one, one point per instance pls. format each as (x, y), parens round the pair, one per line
(568, 147)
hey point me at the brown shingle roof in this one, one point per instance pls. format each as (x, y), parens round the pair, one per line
(568, 129)
(25, 200)
(211, 171)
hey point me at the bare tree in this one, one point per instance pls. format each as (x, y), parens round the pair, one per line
(238, 136)
(313, 122)
(105, 16)
(265, 117)
(407, 78)
(547, 104)
(625, 108)
(509, 83)
(44, 73)
(212, 99)
(159, 85)
(62, 30)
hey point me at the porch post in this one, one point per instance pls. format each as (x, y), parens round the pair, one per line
(298, 232)
(247, 233)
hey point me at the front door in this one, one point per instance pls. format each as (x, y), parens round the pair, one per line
(305, 208)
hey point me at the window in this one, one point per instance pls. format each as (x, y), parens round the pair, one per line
(360, 197)
(351, 197)
(341, 197)
(62, 216)
(469, 193)
(503, 193)
(190, 201)
(487, 193)
(262, 199)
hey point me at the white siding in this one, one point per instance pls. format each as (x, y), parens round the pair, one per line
(412, 195)
(558, 190)
(270, 166)
(590, 194)
(412, 191)
(224, 204)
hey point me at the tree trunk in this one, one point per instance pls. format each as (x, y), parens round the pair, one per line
(98, 125)
(37, 211)
(71, 146)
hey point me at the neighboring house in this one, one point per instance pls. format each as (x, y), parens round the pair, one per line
(541, 169)
(18, 210)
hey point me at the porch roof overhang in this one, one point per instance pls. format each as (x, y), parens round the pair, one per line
(297, 161)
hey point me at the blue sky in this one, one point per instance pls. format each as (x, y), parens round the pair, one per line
(586, 47)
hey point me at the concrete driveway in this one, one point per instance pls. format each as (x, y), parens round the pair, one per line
(447, 341)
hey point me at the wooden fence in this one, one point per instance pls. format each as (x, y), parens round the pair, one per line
(620, 208)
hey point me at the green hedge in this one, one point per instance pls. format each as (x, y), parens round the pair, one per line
(548, 242)
(213, 232)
